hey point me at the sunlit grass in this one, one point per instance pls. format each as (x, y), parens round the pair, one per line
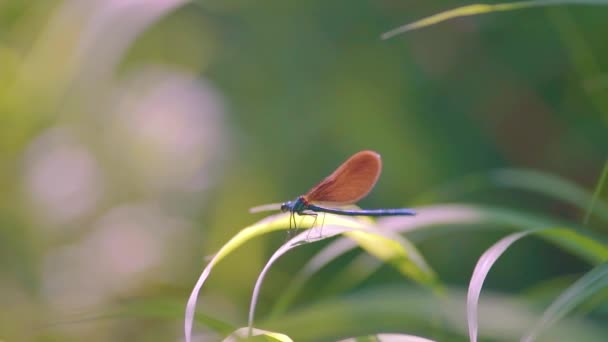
(376, 239)
(478, 9)
(68, 88)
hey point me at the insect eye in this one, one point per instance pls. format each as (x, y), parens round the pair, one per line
(284, 207)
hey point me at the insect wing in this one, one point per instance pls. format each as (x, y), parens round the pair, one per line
(350, 182)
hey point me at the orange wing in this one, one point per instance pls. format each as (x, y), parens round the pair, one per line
(353, 180)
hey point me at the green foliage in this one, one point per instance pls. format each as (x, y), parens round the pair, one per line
(478, 9)
(133, 138)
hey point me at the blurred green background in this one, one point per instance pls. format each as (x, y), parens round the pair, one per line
(135, 135)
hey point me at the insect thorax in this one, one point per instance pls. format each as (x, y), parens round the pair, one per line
(299, 205)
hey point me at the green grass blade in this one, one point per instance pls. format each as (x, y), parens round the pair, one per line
(259, 335)
(386, 246)
(577, 240)
(596, 192)
(401, 338)
(270, 224)
(429, 216)
(435, 219)
(398, 252)
(590, 284)
(477, 9)
(487, 260)
(551, 186)
(414, 311)
(391, 248)
(388, 338)
(168, 308)
(538, 182)
(484, 264)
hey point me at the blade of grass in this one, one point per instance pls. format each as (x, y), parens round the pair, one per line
(271, 336)
(432, 215)
(484, 264)
(158, 307)
(389, 338)
(582, 56)
(402, 254)
(477, 9)
(401, 338)
(539, 182)
(577, 241)
(596, 192)
(269, 224)
(385, 245)
(590, 284)
(487, 260)
(170, 308)
(413, 311)
(550, 185)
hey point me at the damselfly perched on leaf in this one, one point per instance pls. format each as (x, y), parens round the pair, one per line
(349, 183)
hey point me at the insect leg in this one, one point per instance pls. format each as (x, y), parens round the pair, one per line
(314, 223)
(322, 224)
(292, 227)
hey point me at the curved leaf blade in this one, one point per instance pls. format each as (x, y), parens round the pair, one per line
(269, 224)
(427, 216)
(591, 283)
(415, 311)
(477, 9)
(271, 336)
(384, 248)
(552, 186)
(596, 194)
(535, 181)
(393, 338)
(484, 264)
(384, 245)
(487, 260)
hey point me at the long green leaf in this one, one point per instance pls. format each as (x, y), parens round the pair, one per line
(402, 254)
(551, 186)
(596, 193)
(590, 284)
(535, 181)
(477, 9)
(262, 335)
(388, 338)
(410, 311)
(427, 216)
(430, 219)
(484, 264)
(270, 224)
(383, 244)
